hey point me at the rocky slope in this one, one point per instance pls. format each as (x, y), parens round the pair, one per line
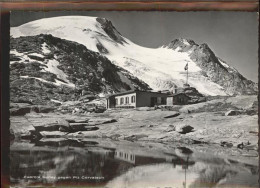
(161, 68)
(44, 68)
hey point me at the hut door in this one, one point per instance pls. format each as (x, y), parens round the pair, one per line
(153, 101)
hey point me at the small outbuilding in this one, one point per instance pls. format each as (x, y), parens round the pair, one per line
(178, 99)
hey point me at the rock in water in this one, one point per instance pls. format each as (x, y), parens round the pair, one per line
(60, 125)
(51, 127)
(52, 134)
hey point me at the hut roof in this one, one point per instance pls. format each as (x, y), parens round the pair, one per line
(132, 91)
(177, 94)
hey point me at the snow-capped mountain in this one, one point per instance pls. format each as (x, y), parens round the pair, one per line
(161, 68)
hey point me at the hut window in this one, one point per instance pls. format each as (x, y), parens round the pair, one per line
(159, 100)
(116, 101)
(122, 100)
(127, 100)
(132, 99)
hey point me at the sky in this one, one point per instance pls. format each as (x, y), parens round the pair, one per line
(232, 36)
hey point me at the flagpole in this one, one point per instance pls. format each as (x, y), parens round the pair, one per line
(187, 74)
(186, 68)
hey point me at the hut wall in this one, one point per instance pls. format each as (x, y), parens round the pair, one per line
(144, 99)
(130, 103)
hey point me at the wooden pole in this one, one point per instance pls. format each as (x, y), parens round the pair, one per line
(187, 73)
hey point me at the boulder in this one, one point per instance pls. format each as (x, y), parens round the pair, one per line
(184, 129)
(46, 109)
(184, 150)
(145, 108)
(233, 113)
(78, 126)
(21, 127)
(12, 136)
(85, 120)
(63, 122)
(170, 128)
(100, 109)
(53, 134)
(110, 121)
(173, 115)
(19, 105)
(99, 121)
(226, 144)
(52, 127)
(20, 111)
(251, 112)
(81, 127)
(60, 125)
(89, 97)
(31, 135)
(24, 108)
(135, 137)
(53, 142)
(36, 57)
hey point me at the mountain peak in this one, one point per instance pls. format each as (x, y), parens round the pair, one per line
(180, 42)
(86, 30)
(111, 31)
(208, 74)
(184, 41)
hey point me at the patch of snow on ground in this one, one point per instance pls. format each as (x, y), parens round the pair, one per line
(37, 54)
(14, 52)
(57, 83)
(24, 57)
(185, 42)
(45, 49)
(177, 49)
(52, 67)
(101, 101)
(101, 94)
(224, 64)
(230, 68)
(56, 101)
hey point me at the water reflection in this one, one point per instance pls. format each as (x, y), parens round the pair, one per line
(56, 162)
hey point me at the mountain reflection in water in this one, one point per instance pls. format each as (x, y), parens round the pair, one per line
(87, 162)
